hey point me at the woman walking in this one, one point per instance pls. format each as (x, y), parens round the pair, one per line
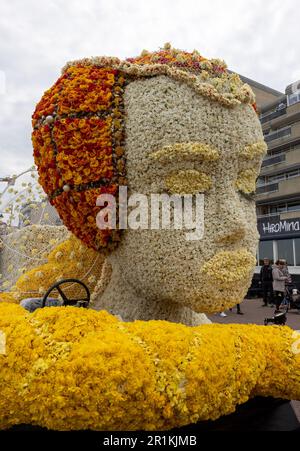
(279, 280)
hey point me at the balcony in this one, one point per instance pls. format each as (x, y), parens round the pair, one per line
(268, 216)
(269, 117)
(281, 189)
(283, 215)
(267, 188)
(280, 163)
(282, 133)
(290, 215)
(274, 159)
(291, 116)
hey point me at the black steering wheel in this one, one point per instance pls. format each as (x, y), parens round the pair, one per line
(82, 302)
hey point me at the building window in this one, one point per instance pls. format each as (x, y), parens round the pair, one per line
(261, 181)
(263, 210)
(272, 210)
(297, 251)
(294, 206)
(293, 98)
(274, 113)
(290, 148)
(278, 134)
(265, 251)
(292, 174)
(283, 208)
(283, 176)
(285, 251)
(276, 178)
(278, 209)
(288, 249)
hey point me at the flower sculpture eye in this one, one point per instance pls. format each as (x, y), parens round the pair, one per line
(253, 151)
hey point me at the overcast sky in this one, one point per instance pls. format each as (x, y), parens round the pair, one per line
(257, 38)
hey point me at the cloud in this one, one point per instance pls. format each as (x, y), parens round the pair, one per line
(256, 38)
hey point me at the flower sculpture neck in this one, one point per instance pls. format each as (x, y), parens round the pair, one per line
(123, 300)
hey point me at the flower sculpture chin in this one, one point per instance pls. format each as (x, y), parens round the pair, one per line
(74, 371)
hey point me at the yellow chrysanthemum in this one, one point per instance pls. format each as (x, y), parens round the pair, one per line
(74, 369)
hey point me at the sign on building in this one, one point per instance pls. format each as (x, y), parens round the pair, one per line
(276, 228)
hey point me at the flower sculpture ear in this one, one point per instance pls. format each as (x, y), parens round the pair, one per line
(78, 144)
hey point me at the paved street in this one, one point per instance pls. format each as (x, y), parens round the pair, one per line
(254, 313)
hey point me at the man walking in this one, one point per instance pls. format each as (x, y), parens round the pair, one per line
(266, 279)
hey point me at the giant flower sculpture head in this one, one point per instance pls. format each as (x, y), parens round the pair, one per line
(165, 122)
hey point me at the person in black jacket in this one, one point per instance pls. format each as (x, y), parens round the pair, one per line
(266, 279)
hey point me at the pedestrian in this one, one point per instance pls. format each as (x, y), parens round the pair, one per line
(238, 310)
(279, 280)
(286, 272)
(266, 280)
(288, 282)
(223, 315)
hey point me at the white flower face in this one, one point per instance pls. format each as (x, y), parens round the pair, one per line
(215, 272)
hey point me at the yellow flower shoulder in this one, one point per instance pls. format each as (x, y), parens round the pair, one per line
(67, 370)
(168, 122)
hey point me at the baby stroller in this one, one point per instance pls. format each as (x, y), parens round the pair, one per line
(279, 319)
(291, 301)
(292, 298)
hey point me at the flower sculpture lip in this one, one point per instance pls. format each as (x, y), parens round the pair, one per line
(228, 268)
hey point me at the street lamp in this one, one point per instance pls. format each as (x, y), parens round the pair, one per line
(11, 180)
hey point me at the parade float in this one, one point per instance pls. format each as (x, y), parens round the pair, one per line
(144, 356)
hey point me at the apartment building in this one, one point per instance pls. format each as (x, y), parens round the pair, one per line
(278, 186)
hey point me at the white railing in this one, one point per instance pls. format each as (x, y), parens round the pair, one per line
(269, 215)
